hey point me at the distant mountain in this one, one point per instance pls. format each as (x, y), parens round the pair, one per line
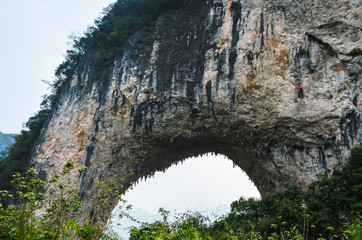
(5, 141)
(122, 226)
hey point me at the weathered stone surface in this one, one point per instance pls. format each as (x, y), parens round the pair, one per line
(218, 76)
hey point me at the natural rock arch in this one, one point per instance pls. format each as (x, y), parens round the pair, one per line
(217, 76)
(207, 183)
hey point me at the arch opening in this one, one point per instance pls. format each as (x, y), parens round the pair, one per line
(130, 162)
(258, 165)
(206, 184)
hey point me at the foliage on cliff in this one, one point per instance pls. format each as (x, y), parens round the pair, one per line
(19, 152)
(102, 43)
(99, 46)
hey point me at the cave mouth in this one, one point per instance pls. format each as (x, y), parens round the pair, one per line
(207, 184)
(153, 155)
(256, 163)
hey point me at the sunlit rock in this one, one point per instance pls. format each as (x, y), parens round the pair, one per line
(218, 76)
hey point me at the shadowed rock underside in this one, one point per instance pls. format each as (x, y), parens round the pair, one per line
(217, 76)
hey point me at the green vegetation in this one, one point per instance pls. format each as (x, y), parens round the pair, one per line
(330, 209)
(5, 141)
(59, 205)
(196, 226)
(100, 45)
(19, 152)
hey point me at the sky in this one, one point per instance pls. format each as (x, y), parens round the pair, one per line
(212, 177)
(205, 184)
(34, 39)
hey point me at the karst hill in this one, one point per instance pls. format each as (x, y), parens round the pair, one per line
(216, 76)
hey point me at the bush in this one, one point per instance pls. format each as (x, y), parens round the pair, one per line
(58, 206)
(19, 152)
(324, 209)
(291, 214)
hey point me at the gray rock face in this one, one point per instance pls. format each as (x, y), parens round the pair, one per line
(218, 76)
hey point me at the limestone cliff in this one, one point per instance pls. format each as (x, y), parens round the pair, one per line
(218, 76)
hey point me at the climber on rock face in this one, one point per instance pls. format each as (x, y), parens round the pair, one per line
(300, 92)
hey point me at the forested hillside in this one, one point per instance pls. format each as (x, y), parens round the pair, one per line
(5, 141)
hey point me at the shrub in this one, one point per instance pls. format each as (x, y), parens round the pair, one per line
(58, 205)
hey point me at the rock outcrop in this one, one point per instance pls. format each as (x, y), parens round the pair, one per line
(218, 76)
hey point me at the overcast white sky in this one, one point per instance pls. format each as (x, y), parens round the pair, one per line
(34, 37)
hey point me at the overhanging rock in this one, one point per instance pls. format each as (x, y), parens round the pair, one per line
(218, 76)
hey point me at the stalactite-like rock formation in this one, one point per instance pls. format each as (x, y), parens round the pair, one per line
(218, 76)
